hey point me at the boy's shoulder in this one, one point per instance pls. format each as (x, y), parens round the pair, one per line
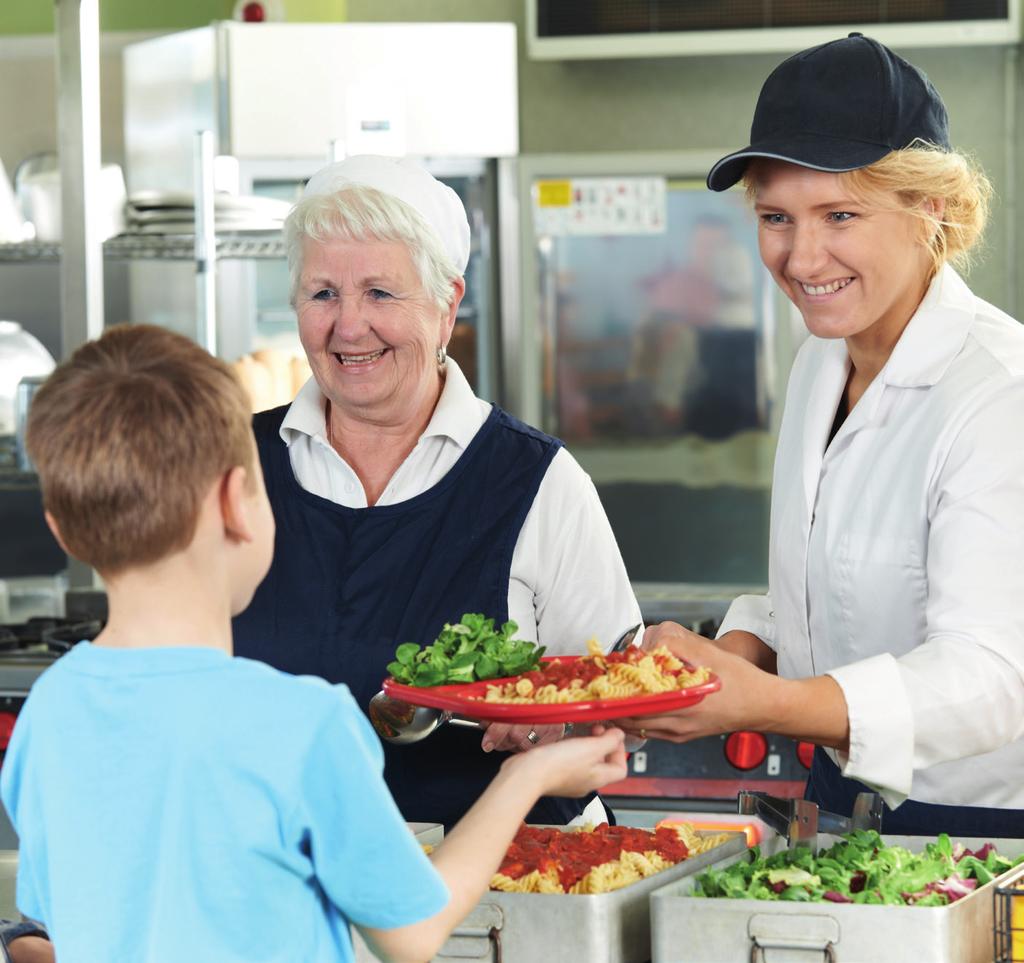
(309, 691)
(195, 668)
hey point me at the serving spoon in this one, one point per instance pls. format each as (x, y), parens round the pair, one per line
(402, 723)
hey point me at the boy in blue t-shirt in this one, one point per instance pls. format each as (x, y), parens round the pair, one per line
(175, 803)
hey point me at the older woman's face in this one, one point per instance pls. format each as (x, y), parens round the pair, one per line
(852, 271)
(369, 328)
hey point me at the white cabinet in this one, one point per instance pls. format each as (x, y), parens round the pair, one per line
(287, 91)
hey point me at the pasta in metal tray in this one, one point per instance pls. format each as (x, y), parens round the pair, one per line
(594, 860)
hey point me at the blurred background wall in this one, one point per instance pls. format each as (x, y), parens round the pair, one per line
(610, 105)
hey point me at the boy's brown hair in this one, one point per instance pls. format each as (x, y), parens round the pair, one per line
(127, 436)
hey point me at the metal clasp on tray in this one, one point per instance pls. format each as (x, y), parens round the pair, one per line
(478, 937)
(769, 931)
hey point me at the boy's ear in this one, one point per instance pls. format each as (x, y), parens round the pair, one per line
(51, 523)
(234, 503)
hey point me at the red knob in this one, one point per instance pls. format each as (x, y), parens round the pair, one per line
(805, 753)
(7, 720)
(254, 13)
(746, 750)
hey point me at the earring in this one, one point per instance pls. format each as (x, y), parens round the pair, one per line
(442, 356)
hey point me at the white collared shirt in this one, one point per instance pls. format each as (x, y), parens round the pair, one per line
(568, 581)
(896, 558)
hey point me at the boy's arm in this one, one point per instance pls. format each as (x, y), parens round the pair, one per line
(472, 851)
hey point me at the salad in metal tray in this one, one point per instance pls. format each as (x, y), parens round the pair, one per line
(859, 869)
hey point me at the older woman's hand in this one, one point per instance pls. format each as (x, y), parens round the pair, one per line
(505, 738)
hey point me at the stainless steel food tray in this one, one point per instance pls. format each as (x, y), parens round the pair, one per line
(531, 927)
(595, 928)
(427, 834)
(691, 930)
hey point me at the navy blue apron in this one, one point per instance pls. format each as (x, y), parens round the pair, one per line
(832, 791)
(348, 585)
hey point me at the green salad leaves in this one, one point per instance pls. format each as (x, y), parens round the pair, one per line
(466, 652)
(859, 869)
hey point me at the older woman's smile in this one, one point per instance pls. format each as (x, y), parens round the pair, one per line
(363, 360)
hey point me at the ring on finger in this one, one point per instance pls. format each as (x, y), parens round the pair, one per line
(532, 737)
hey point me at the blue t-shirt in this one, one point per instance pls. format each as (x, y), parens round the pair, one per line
(179, 804)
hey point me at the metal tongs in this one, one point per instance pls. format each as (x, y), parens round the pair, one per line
(800, 820)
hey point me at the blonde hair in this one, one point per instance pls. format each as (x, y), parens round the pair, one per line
(356, 213)
(908, 180)
(128, 435)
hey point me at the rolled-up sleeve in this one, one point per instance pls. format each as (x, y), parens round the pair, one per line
(751, 613)
(961, 692)
(881, 727)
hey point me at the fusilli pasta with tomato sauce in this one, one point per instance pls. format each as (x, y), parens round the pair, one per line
(617, 675)
(594, 860)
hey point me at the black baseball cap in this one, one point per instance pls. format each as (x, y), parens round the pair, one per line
(837, 107)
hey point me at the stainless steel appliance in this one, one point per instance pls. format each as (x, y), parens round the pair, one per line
(641, 328)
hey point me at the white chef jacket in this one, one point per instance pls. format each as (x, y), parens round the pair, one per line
(568, 581)
(896, 556)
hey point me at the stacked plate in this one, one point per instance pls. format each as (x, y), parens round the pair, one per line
(173, 212)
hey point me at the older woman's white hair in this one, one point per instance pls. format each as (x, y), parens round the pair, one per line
(385, 199)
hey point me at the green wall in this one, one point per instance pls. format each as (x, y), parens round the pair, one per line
(36, 16)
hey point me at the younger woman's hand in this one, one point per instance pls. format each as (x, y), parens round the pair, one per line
(745, 700)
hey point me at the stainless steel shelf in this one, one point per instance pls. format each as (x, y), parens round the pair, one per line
(158, 247)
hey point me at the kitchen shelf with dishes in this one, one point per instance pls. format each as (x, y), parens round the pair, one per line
(170, 247)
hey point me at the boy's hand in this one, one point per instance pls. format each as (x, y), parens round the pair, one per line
(574, 767)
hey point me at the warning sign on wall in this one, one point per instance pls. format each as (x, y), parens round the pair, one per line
(599, 205)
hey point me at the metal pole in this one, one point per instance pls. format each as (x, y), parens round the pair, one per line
(206, 242)
(78, 122)
(1011, 68)
(78, 115)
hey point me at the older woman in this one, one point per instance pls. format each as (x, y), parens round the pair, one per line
(894, 620)
(402, 501)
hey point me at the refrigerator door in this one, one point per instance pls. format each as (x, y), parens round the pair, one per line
(658, 357)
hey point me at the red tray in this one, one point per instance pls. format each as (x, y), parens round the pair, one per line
(460, 699)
